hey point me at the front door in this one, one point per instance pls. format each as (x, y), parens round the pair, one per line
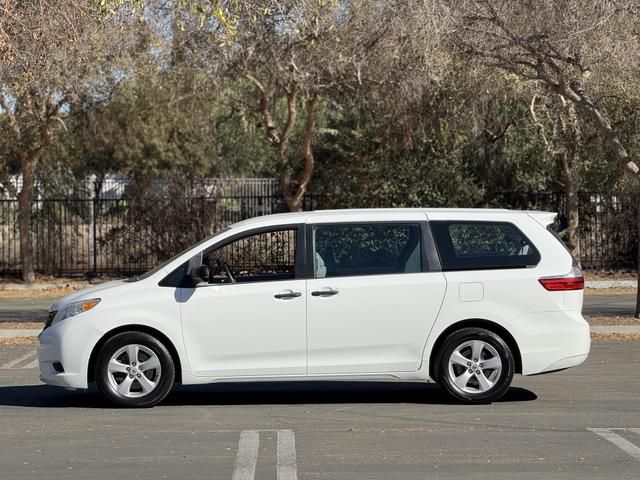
(373, 300)
(251, 317)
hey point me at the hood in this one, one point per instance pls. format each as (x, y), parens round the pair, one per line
(86, 294)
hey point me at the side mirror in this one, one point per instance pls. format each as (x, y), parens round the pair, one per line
(199, 275)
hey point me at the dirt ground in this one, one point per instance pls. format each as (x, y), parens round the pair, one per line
(610, 275)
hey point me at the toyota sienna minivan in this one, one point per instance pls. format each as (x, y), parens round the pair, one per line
(465, 298)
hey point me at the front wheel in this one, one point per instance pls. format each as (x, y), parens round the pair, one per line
(475, 366)
(134, 369)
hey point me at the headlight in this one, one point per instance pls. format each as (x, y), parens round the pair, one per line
(74, 309)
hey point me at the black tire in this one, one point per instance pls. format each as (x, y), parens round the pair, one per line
(137, 397)
(473, 390)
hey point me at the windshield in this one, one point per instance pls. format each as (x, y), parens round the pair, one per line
(167, 262)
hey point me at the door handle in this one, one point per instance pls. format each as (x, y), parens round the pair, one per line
(325, 292)
(288, 294)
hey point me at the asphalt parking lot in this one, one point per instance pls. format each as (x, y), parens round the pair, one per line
(583, 423)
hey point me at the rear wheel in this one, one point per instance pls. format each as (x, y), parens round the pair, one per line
(475, 366)
(134, 369)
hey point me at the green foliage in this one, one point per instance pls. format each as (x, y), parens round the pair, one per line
(110, 7)
(155, 124)
(466, 138)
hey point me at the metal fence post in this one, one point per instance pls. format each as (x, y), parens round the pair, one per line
(94, 219)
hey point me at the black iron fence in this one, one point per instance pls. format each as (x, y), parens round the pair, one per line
(124, 236)
(118, 236)
(608, 224)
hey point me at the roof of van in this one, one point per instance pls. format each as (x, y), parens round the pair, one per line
(299, 216)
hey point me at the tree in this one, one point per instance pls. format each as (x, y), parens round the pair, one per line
(571, 47)
(560, 130)
(52, 51)
(295, 54)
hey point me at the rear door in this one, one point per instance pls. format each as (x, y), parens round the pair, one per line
(374, 295)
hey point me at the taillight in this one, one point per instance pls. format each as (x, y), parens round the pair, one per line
(572, 281)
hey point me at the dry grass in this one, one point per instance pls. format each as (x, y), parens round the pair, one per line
(20, 325)
(610, 291)
(50, 293)
(47, 286)
(18, 341)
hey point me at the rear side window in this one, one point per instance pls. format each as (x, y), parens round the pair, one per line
(366, 249)
(482, 245)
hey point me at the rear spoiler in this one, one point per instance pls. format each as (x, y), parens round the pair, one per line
(543, 218)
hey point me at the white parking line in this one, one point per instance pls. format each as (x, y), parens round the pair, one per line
(247, 456)
(620, 442)
(287, 469)
(33, 364)
(28, 357)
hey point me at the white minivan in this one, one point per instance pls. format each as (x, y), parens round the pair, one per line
(462, 297)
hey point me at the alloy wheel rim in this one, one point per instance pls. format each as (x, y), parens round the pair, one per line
(134, 371)
(474, 367)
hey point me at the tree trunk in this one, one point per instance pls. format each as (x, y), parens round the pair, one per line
(25, 198)
(573, 223)
(600, 121)
(289, 197)
(295, 197)
(637, 313)
(293, 203)
(572, 212)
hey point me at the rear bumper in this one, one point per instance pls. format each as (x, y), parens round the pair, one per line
(550, 341)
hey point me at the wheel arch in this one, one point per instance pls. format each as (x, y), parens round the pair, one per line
(477, 323)
(136, 328)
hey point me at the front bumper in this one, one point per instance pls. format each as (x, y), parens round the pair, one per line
(70, 344)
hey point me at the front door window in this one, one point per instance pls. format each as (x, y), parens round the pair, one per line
(259, 257)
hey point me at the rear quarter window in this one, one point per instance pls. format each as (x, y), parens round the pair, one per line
(465, 245)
